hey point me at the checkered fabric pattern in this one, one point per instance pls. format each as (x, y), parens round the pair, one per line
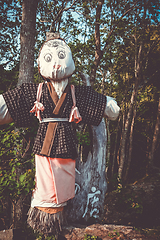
(91, 106)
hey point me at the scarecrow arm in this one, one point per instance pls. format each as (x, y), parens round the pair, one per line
(5, 117)
(112, 109)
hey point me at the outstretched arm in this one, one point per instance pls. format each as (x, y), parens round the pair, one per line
(112, 109)
(5, 117)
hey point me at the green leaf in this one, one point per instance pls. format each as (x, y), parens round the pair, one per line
(22, 177)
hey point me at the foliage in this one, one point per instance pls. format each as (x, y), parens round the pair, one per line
(87, 237)
(135, 204)
(114, 235)
(83, 141)
(13, 187)
(130, 202)
(41, 237)
(83, 138)
(16, 165)
(10, 16)
(8, 78)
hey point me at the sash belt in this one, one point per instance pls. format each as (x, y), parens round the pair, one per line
(54, 120)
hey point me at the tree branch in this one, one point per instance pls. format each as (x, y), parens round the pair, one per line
(66, 9)
(60, 12)
(124, 14)
(98, 53)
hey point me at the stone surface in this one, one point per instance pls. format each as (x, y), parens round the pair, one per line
(98, 231)
(105, 232)
(11, 234)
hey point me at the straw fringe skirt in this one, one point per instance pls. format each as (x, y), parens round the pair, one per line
(45, 222)
(55, 184)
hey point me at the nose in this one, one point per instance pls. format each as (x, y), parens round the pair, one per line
(56, 66)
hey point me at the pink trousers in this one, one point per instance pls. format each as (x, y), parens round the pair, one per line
(55, 179)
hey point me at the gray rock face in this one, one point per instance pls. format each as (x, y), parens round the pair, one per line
(91, 185)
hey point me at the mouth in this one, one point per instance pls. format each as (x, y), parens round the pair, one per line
(56, 67)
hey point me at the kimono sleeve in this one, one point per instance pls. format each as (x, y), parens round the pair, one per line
(19, 102)
(91, 105)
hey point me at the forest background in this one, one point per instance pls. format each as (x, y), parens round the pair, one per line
(117, 43)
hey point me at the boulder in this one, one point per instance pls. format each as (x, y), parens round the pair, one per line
(98, 231)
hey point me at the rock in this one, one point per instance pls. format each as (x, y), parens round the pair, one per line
(105, 232)
(94, 231)
(90, 183)
(11, 234)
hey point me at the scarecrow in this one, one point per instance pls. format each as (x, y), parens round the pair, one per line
(56, 104)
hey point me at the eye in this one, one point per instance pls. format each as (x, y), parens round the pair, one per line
(48, 57)
(61, 54)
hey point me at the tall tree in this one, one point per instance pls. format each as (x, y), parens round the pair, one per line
(26, 74)
(137, 34)
(155, 137)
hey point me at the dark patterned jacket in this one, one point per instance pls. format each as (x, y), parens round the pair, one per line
(91, 106)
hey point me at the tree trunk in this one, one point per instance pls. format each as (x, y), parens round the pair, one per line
(137, 69)
(115, 147)
(91, 185)
(130, 144)
(155, 136)
(124, 133)
(27, 40)
(26, 74)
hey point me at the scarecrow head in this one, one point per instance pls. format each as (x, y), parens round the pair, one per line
(55, 60)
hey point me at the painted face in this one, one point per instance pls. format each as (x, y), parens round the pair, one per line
(55, 60)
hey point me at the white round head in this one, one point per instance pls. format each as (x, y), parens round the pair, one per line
(55, 60)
